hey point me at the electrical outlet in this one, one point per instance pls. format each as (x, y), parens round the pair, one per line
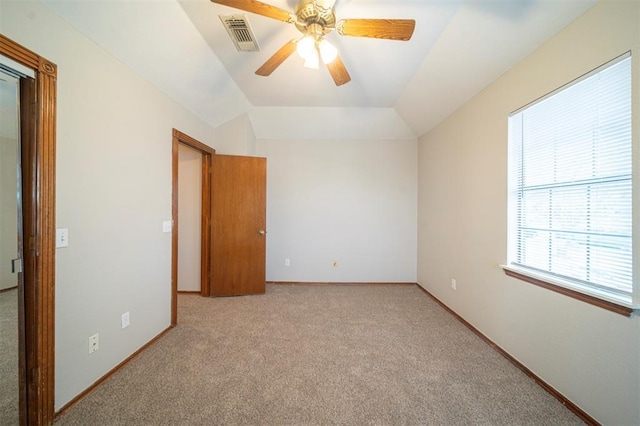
(454, 284)
(287, 261)
(94, 343)
(125, 320)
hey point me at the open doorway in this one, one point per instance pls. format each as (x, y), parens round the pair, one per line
(35, 293)
(11, 284)
(189, 219)
(194, 155)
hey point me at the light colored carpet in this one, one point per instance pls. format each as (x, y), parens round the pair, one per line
(304, 355)
(9, 358)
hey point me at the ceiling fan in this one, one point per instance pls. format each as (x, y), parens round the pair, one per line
(315, 19)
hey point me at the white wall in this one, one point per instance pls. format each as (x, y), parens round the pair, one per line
(236, 137)
(8, 209)
(113, 193)
(8, 179)
(590, 355)
(354, 201)
(189, 218)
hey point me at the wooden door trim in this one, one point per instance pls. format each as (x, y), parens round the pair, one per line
(39, 245)
(205, 243)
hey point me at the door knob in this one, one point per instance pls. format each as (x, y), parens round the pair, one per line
(262, 232)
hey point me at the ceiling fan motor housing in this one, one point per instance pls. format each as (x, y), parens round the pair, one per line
(313, 19)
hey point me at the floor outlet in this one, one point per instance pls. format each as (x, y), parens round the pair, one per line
(93, 343)
(125, 320)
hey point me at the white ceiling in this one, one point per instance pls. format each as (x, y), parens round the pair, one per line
(458, 47)
(380, 69)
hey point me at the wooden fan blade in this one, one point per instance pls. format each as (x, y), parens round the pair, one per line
(391, 29)
(258, 8)
(277, 59)
(338, 72)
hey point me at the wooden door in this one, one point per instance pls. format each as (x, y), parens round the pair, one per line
(238, 221)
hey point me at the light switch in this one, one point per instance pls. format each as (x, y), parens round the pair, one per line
(166, 226)
(62, 237)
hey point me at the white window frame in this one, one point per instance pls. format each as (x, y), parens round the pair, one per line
(624, 304)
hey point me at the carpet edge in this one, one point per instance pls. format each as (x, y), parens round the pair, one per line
(337, 283)
(544, 385)
(110, 373)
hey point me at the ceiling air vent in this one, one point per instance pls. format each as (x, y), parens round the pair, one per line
(240, 32)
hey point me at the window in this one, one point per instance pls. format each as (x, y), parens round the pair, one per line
(570, 199)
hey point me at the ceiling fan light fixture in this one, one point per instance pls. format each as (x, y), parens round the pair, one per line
(328, 52)
(315, 19)
(312, 61)
(306, 47)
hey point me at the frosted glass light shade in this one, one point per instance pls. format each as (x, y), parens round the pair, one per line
(312, 61)
(306, 47)
(327, 51)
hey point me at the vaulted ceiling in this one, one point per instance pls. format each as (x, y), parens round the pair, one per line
(458, 47)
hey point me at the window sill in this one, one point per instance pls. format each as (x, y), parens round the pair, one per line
(532, 278)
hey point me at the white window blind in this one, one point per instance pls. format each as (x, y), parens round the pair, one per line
(570, 164)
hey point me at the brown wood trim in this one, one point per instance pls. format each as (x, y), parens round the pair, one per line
(188, 292)
(38, 135)
(544, 385)
(45, 239)
(339, 283)
(193, 143)
(19, 53)
(205, 226)
(26, 295)
(205, 244)
(4, 290)
(609, 306)
(174, 229)
(110, 373)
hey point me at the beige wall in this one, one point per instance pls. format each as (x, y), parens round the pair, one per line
(113, 193)
(353, 201)
(236, 137)
(8, 179)
(189, 218)
(590, 355)
(8, 209)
